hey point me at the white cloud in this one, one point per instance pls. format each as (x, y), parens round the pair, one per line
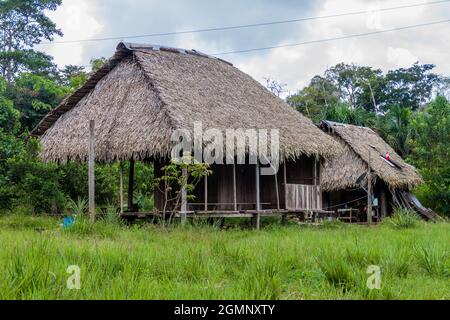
(295, 66)
(77, 20)
(400, 57)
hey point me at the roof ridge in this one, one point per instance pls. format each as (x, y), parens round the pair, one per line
(129, 46)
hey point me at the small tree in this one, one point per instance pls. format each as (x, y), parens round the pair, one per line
(174, 180)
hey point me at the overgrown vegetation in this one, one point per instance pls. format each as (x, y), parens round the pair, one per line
(403, 219)
(288, 262)
(399, 104)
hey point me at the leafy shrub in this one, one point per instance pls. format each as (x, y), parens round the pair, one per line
(403, 219)
(431, 260)
(112, 216)
(78, 207)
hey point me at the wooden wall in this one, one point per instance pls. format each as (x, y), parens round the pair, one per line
(220, 186)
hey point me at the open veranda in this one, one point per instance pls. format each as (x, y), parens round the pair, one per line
(107, 260)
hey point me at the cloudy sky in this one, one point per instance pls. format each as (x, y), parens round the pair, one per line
(294, 66)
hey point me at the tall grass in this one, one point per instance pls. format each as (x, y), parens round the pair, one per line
(403, 219)
(201, 262)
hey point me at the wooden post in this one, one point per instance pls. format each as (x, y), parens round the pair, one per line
(277, 192)
(91, 170)
(315, 171)
(234, 187)
(121, 169)
(131, 185)
(383, 200)
(206, 193)
(258, 198)
(285, 184)
(283, 217)
(369, 191)
(184, 198)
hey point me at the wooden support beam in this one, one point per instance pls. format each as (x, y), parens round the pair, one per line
(277, 191)
(183, 211)
(369, 190)
(383, 202)
(234, 187)
(131, 185)
(91, 169)
(206, 193)
(283, 218)
(285, 184)
(315, 172)
(121, 173)
(258, 197)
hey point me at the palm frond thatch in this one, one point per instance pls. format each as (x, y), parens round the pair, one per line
(361, 145)
(144, 93)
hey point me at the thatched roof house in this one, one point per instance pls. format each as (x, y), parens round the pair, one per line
(361, 145)
(145, 92)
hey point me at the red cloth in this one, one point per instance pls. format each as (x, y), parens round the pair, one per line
(388, 156)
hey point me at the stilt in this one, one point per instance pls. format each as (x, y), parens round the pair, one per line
(91, 170)
(383, 200)
(131, 186)
(183, 199)
(369, 191)
(283, 217)
(258, 198)
(234, 187)
(206, 193)
(121, 170)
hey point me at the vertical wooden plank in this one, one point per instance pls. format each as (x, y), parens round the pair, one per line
(206, 193)
(285, 185)
(369, 191)
(277, 192)
(184, 198)
(131, 185)
(91, 169)
(258, 197)
(315, 171)
(383, 200)
(234, 187)
(121, 169)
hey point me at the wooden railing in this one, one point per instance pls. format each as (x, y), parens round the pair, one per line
(303, 197)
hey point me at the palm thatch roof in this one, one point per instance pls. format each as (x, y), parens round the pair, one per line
(361, 146)
(145, 92)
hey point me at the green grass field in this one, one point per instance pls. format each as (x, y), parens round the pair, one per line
(202, 262)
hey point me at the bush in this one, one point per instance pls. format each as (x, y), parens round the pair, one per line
(403, 219)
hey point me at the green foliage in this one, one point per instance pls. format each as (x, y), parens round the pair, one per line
(173, 181)
(431, 154)
(72, 76)
(433, 260)
(396, 129)
(97, 63)
(112, 215)
(343, 113)
(32, 183)
(78, 207)
(205, 263)
(144, 202)
(34, 96)
(403, 219)
(24, 24)
(411, 87)
(10, 144)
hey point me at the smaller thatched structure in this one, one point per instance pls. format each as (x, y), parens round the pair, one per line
(362, 145)
(344, 177)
